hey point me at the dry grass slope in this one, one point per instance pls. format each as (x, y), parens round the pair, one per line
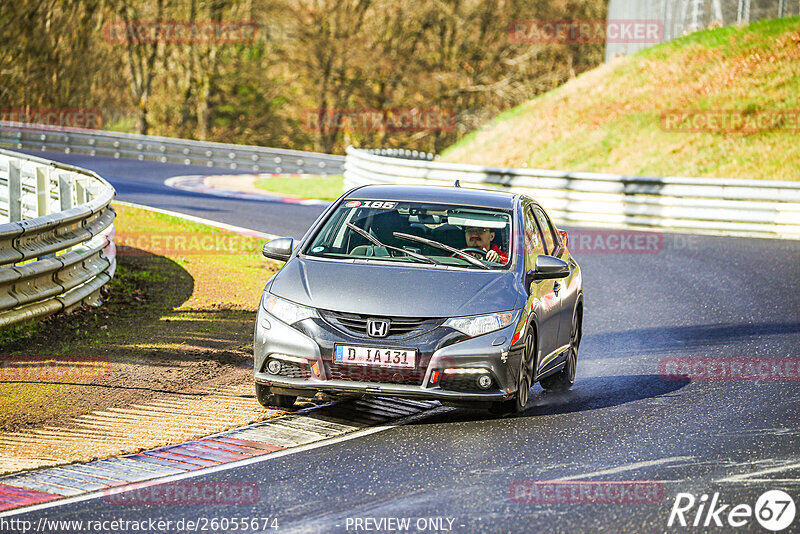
(609, 119)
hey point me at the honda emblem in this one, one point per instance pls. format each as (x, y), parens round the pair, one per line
(377, 328)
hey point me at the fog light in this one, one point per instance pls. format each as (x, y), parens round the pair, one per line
(485, 382)
(274, 367)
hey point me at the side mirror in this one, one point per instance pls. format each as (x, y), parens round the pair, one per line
(278, 249)
(549, 267)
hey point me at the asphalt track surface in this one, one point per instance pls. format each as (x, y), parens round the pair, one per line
(693, 297)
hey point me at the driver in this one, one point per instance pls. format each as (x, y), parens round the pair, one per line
(482, 238)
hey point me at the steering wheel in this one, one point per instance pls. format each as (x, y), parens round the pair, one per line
(471, 250)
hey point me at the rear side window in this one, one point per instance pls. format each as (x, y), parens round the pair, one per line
(533, 241)
(549, 233)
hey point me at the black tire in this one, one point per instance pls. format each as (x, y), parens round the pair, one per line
(564, 379)
(267, 399)
(517, 404)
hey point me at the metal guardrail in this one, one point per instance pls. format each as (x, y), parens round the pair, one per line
(56, 237)
(754, 208)
(167, 149)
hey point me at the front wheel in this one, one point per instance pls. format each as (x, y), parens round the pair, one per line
(267, 399)
(563, 380)
(524, 381)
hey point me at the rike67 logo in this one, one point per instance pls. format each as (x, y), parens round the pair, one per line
(774, 510)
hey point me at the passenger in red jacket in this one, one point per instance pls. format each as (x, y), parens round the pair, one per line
(482, 238)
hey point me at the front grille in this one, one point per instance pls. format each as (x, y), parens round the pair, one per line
(289, 369)
(380, 375)
(353, 323)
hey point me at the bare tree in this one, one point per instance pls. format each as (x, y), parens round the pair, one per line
(141, 57)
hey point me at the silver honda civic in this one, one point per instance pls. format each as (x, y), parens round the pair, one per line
(462, 295)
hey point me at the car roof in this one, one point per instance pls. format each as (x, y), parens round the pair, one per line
(430, 193)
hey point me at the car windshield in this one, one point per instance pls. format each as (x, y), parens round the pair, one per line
(416, 232)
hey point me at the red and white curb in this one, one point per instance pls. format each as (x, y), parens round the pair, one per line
(20, 492)
(196, 184)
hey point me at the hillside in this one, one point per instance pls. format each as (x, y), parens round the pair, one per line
(612, 118)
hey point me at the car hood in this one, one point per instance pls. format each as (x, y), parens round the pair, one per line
(397, 291)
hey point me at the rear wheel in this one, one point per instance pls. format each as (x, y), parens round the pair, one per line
(564, 379)
(267, 399)
(524, 380)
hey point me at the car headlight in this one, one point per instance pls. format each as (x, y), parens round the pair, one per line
(481, 324)
(286, 311)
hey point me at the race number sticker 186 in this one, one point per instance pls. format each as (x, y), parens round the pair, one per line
(379, 204)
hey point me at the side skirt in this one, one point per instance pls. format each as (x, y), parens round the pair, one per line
(556, 365)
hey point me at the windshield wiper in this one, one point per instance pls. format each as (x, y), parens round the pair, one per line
(375, 241)
(442, 246)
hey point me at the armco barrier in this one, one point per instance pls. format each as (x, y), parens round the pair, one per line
(167, 149)
(757, 208)
(754, 208)
(56, 237)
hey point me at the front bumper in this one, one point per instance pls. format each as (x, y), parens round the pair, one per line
(372, 388)
(439, 349)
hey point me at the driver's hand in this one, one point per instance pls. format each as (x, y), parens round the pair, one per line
(492, 256)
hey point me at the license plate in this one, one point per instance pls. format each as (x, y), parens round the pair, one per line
(379, 356)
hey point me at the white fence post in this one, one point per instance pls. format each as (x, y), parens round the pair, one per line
(66, 190)
(42, 191)
(81, 192)
(43, 197)
(66, 193)
(14, 192)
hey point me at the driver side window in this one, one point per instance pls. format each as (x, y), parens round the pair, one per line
(533, 241)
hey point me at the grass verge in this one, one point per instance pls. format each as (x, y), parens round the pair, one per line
(322, 187)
